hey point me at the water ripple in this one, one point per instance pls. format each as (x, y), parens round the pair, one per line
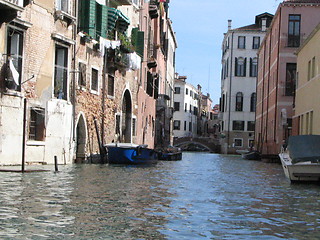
(204, 196)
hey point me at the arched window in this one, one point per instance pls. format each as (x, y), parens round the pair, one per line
(253, 67)
(239, 102)
(253, 102)
(240, 67)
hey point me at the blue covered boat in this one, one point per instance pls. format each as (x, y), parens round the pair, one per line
(128, 153)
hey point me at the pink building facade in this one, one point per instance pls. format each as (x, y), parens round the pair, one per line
(291, 25)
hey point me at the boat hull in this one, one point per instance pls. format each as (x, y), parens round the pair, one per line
(254, 155)
(304, 171)
(131, 155)
(170, 156)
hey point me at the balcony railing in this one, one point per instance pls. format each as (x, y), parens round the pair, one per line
(120, 2)
(11, 4)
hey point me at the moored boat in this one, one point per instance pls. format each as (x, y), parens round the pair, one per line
(128, 153)
(169, 154)
(301, 159)
(253, 155)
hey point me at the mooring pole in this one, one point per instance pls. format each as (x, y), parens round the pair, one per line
(56, 164)
(24, 134)
(99, 142)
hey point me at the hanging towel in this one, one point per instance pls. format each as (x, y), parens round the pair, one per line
(14, 72)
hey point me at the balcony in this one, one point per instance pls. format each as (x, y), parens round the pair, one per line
(120, 2)
(11, 5)
(153, 11)
(152, 63)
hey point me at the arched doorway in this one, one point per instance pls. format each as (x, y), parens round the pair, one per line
(126, 117)
(81, 139)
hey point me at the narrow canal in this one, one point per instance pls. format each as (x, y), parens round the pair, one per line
(204, 196)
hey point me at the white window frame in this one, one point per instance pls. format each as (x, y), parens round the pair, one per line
(98, 83)
(234, 140)
(59, 6)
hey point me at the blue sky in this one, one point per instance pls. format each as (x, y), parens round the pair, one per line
(199, 27)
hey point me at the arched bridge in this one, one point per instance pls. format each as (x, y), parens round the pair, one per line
(197, 144)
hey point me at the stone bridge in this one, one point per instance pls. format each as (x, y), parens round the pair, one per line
(198, 144)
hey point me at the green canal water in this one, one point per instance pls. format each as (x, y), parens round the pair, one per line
(204, 196)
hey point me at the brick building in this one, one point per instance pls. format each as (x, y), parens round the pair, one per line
(76, 74)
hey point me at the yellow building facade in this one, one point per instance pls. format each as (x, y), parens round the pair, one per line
(307, 107)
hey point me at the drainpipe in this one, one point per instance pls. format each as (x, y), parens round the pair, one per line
(75, 29)
(105, 72)
(229, 110)
(24, 134)
(277, 88)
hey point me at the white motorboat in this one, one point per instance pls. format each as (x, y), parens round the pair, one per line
(301, 159)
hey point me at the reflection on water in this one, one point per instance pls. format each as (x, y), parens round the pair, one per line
(204, 196)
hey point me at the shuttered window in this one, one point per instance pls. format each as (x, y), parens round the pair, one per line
(87, 17)
(137, 39)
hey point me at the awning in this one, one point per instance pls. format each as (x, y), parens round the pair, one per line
(117, 19)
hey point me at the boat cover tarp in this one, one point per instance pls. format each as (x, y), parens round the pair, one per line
(304, 148)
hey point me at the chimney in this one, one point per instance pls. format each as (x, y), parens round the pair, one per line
(264, 25)
(229, 24)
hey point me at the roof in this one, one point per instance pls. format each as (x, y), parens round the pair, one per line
(258, 22)
(301, 1)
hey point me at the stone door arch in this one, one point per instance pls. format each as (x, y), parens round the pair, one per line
(126, 117)
(81, 139)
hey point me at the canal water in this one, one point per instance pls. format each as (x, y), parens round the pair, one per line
(204, 196)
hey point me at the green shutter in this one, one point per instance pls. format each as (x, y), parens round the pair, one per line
(102, 19)
(87, 17)
(134, 36)
(140, 43)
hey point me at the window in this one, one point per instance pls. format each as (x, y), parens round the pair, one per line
(256, 43)
(309, 70)
(294, 31)
(150, 84)
(239, 102)
(253, 102)
(240, 67)
(134, 127)
(185, 126)
(241, 42)
(251, 126)
(238, 142)
(190, 109)
(110, 85)
(238, 125)
(177, 90)
(15, 50)
(190, 126)
(253, 67)
(61, 72)
(185, 107)
(82, 74)
(176, 106)
(176, 125)
(37, 124)
(94, 80)
(313, 67)
(63, 5)
(187, 91)
(118, 124)
(195, 111)
(290, 79)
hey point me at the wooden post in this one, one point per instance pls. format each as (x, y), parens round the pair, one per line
(56, 164)
(24, 134)
(99, 142)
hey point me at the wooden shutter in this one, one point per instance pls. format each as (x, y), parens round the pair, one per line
(140, 43)
(245, 67)
(101, 20)
(236, 67)
(87, 15)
